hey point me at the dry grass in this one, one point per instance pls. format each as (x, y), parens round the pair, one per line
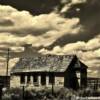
(45, 94)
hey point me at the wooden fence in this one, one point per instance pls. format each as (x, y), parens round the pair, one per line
(93, 83)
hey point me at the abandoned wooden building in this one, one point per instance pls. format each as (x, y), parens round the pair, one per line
(45, 70)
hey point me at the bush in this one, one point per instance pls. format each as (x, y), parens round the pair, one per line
(46, 94)
(12, 94)
(6, 97)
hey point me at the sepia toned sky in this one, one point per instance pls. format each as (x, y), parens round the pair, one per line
(51, 26)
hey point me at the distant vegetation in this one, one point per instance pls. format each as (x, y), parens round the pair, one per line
(62, 94)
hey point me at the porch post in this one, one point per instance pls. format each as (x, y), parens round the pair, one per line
(39, 80)
(25, 79)
(31, 80)
(47, 80)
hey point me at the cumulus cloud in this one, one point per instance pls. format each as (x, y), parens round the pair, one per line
(49, 33)
(34, 29)
(24, 23)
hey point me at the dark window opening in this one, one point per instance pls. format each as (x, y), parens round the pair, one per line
(28, 79)
(22, 80)
(51, 79)
(35, 78)
(43, 79)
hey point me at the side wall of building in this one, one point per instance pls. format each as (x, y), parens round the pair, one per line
(15, 81)
(59, 81)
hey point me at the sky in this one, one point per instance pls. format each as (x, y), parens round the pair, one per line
(51, 27)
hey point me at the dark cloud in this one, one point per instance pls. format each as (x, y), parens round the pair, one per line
(68, 38)
(34, 6)
(89, 14)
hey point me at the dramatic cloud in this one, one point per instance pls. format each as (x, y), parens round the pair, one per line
(66, 30)
(38, 30)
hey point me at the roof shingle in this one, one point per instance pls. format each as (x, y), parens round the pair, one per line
(49, 63)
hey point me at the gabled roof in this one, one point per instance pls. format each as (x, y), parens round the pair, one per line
(49, 63)
(43, 63)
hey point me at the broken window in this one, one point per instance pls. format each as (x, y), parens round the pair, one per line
(35, 78)
(28, 79)
(22, 80)
(43, 79)
(51, 79)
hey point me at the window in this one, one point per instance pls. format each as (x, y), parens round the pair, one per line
(22, 80)
(51, 79)
(36, 83)
(28, 79)
(43, 79)
(35, 78)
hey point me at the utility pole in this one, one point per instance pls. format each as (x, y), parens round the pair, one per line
(7, 62)
(52, 74)
(7, 67)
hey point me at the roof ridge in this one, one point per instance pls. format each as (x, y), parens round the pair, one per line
(48, 55)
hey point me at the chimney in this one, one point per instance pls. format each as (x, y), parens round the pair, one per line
(27, 46)
(29, 50)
